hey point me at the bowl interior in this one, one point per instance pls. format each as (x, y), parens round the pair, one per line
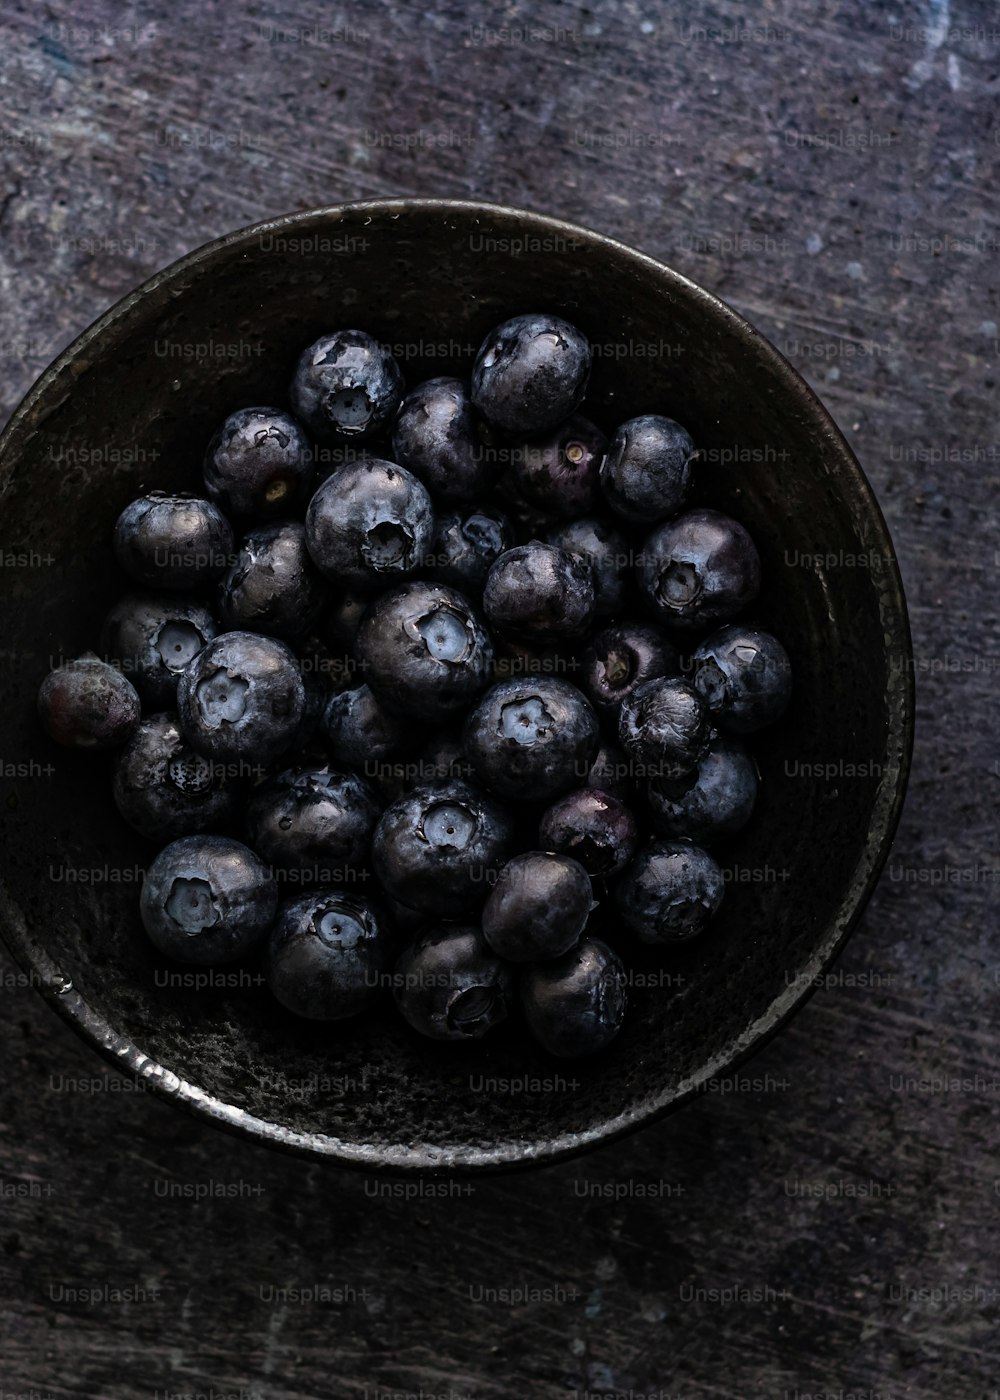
(131, 407)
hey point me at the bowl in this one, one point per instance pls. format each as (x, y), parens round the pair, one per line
(129, 407)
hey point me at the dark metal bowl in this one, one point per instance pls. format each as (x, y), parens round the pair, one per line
(130, 405)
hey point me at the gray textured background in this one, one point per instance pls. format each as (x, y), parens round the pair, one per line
(831, 170)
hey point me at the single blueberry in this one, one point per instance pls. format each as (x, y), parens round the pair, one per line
(699, 569)
(450, 985)
(466, 543)
(424, 650)
(153, 638)
(259, 463)
(559, 470)
(538, 907)
(346, 385)
(530, 373)
(714, 800)
(646, 474)
(440, 438)
(575, 1004)
(328, 955)
(529, 738)
(593, 827)
(663, 725)
(436, 848)
(273, 585)
(540, 593)
(669, 892)
(370, 524)
(607, 551)
(744, 676)
(87, 704)
(314, 820)
(361, 732)
(207, 899)
(173, 542)
(166, 790)
(241, 697)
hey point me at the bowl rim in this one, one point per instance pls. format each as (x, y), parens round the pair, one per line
(57, 380)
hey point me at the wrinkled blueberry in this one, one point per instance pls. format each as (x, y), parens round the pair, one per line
(273, 585)
(450, 985)
(530, 373)
(153, 638)
(439, 438)
(165, 790)
(466, 543)
(744, 676)
(669, 892)
(575, 1005)
(647, 471)
(593, 827)
(241, 697)
(424, 650)
(328, 955)
(664, 726)
(87, 704)
(346, 385)
(360, 731)
(538, 907)
(620, 659)
(528, 738)
(716, 799)
(436, 848)
(699, 569)
(259, 463)
(369, 524)
(173, 542)
(559, 470)
(207, 899)
(539, 592)
(314, 820)
(606, 550)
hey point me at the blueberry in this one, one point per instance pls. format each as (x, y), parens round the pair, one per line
(87, 704)
(259, 463)
(314, 820)
(538, 907)
(540, 593)
(424, 650)
(610, 772)
(699, 569)
(328, 955)
(620, 659)
(241, 697)
(606, 550)
(346, 385)
(528, 739)
(153, 638)
(575, 1005)
(559, 470)
(716, 799)
(442, 760)
(663, 725)
(438, 436)
(450, 985)
(173, 542)
(593, 827)
(646, 474)
(744, 676)
(207, 899)
(273, 585)
(370, 524)
(343, 617)
(165, 790)
(669, 892)
(360, 731)
(436, 847)
(466, 543)
(530, 373)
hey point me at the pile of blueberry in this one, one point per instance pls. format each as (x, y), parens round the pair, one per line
(488, 664)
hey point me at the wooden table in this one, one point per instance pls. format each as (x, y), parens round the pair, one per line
(831, 170)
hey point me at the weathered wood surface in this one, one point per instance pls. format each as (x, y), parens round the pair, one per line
(832, 173)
